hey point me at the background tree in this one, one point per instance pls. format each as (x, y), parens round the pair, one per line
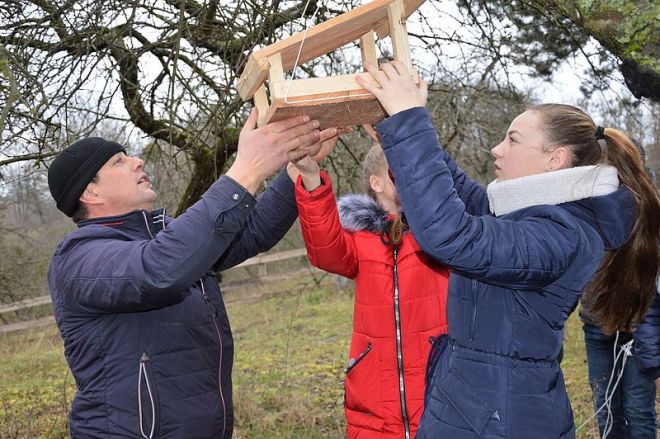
(163, 72)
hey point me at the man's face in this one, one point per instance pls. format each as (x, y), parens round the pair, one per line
(123, 186)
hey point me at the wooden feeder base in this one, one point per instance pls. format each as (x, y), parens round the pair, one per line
(339, 113)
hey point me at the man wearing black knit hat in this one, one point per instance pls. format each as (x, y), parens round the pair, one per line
(134, 292)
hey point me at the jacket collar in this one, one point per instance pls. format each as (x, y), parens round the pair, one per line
(361, 212)
(552, 188)
(139, 223)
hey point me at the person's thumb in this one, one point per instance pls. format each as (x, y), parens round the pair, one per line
(251, 122)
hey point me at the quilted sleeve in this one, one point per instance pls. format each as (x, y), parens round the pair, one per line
(528, 251)
(329, 247)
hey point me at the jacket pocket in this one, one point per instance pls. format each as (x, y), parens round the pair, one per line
(438, 345)
(362, 399)
(354, 361)
(464, 401)
(147, 400)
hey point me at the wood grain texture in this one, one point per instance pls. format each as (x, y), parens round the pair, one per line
(340, 112)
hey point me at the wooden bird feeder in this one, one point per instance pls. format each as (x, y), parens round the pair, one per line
(333, 100)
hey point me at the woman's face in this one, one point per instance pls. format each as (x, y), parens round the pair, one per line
(521, 152)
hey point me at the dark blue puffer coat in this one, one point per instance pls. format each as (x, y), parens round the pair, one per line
(138, 305)
(515, 280)
(647, 341)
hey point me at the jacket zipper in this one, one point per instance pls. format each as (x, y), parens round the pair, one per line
(475, 300)
(399, 348)
(213, 312)
(144, 359)
(146, 223)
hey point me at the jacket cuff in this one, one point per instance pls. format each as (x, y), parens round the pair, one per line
(315, 194)
(231, 192)
(403, 125)
(232, 204)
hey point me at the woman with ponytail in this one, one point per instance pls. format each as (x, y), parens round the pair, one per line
(571, 210)
(400, 295)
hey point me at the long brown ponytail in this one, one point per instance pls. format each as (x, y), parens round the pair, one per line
(624, 285)
(374, 164)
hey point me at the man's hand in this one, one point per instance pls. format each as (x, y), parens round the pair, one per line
(263, 151)
(397, 91)
(329, 138)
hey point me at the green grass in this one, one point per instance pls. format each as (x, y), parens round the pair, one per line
(290, 353)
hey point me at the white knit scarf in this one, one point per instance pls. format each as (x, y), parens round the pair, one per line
(552, 188)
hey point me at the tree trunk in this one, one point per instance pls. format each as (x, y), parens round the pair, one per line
(629, 30)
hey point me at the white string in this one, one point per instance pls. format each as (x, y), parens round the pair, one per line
(295, 66)
(626, 351)
(302, 42)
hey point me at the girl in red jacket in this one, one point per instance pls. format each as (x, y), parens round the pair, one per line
(400, 295)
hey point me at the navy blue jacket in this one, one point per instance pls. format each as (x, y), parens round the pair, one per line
(138, 305)
(515, 279)
(647, 341)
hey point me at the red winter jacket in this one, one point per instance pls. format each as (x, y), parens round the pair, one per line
(400, 298)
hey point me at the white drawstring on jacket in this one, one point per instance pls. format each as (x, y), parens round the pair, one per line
(626, 351)
(151, 399)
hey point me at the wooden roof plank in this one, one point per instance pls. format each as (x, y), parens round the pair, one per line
(319, 40)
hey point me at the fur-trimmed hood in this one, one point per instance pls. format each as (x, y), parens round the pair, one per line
(359, 212)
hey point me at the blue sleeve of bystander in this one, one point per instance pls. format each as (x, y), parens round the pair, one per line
(647, 341)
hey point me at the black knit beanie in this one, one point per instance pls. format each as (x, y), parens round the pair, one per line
(73, 169)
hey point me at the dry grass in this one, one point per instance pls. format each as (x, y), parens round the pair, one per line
(290, 352)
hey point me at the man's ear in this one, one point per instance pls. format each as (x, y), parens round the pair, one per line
(376, 184)
(90, 196)
(559, 159)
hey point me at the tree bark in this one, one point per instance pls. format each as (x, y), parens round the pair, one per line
(629, 30)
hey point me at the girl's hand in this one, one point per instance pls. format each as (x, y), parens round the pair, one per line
(307, 166)
(309, 169)
(397, 91)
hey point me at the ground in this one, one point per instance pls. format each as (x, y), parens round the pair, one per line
(291, 346)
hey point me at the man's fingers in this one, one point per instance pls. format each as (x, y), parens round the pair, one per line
(299, 130)
(251, 122)
(286, 124)
(303, 141)
(325, 143)
(328, 133)
(329, 144)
